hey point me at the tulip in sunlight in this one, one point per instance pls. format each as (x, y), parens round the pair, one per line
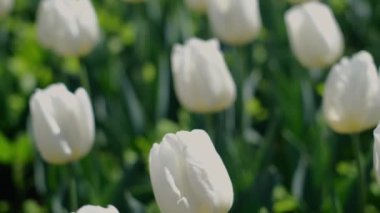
(62, 123)
(351, 100)
(188, 175)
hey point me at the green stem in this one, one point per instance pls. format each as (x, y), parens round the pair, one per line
(361, 172)
(73, 189)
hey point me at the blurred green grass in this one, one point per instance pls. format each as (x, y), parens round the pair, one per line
(279, 152)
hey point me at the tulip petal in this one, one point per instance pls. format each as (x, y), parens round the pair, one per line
(48, 136)
(164, 187)
(97, 209)
(207, 175)
(86, 118)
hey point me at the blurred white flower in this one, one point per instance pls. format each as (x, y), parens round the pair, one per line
(376, 152)
(197, 5)
(351, 100)
(97, 209)
(188, 175)
(202, 80)
(5, 7)
(314, 34)
(68, 27)
(235, 22)
(62, 123)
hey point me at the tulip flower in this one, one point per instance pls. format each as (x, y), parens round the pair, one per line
(62, 123)
(202, 81)
(376, 152)
(314, 34)
(68, 27)
(235, 22)
(97, 209)
(351, 100)
(197, 5)
(5, 7)
(188, 176)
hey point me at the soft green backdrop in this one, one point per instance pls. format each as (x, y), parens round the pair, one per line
(279, 152)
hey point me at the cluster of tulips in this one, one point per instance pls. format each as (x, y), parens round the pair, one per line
(186, 172)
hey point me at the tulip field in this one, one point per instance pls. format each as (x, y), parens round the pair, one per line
(189, 106)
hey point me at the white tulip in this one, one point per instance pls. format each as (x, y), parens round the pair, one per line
(202, 80)
(5, 7)
(188, 175)
(376, 152)
(68, 27)
(197, 5)
(314, 34)
(235, 22)
(97, 209)
(351, 100)
(63, 123)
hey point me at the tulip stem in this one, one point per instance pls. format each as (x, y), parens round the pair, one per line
(361, 172)
(73, 189)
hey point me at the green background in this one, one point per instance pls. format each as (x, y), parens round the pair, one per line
(278, 150)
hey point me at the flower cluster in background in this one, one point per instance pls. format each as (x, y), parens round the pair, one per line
(198, 106)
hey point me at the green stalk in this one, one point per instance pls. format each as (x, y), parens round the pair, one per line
(361, 172)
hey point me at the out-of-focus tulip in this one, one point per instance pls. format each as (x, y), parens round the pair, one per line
(376, 152)
(68, 27)
(351, 101)
(62, 123)
(97, 209)
(197, 5)
(314, 34)
(202, 81)
(5, 7)
(235, 22)
(188, 176)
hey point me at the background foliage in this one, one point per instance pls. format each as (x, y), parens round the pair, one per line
(279, 152)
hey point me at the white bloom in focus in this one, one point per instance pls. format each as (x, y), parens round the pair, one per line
(235, 22)
(351, 100)
(68, 27)
(97, 209)
(314, 34)
(188, 175)
(197, 5)
(62, 123)
(202, 80)
(5, 7)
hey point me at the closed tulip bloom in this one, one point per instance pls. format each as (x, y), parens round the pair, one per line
(202, 81)
(376, 152)
(68, 27)
(62, 123)
(351, 101)
(97, 209)
(314, 34)
(5, 7)
(197, 5)
(235, 22)
(188, 176)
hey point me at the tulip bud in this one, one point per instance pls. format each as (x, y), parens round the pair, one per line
(62, 123)
(97, 209)
(68, 27)
(235, 22)
(202, 80)
(188, 175)
(197, 5)
(314, 34)
(351, 101)
(5, 7)
(376, 152)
